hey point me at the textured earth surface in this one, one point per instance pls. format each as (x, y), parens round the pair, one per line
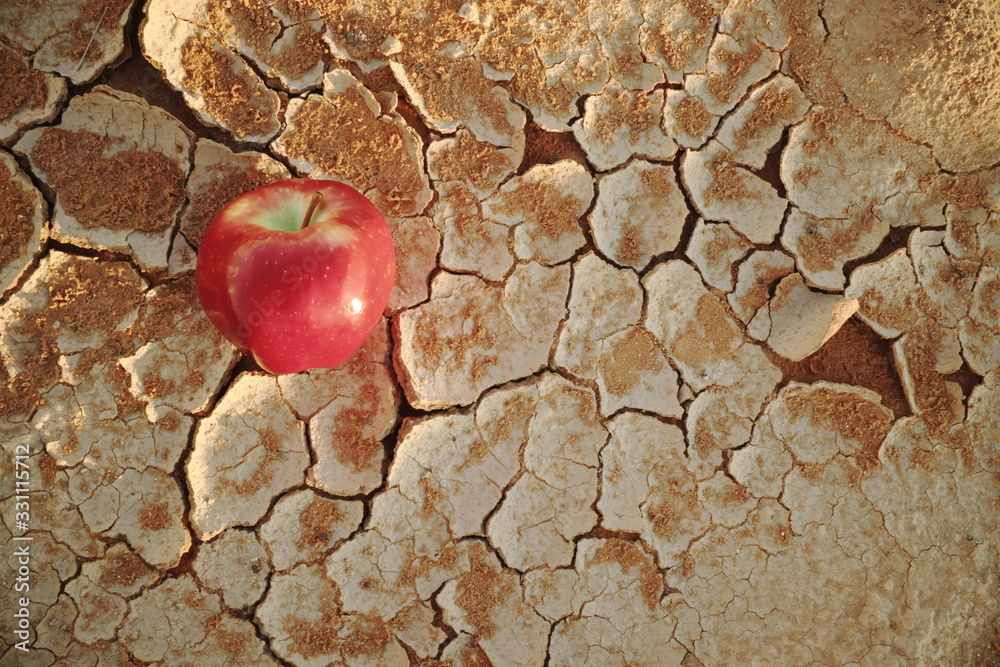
(693, 356)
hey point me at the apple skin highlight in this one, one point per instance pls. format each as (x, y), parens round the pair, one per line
(297, 293)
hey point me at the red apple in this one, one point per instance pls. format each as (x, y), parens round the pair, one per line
(297, 273)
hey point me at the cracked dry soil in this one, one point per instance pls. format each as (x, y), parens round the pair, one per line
(692, 357)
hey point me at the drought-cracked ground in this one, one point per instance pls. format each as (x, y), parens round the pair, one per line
(693, 356)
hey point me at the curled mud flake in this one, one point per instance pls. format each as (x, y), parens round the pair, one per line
(206, 66)
(347, 433)
(453, 92)
(947, 281)
(27, 86)
(801, 320)
(639, 214)
(889, 298)
(618, 28)
(982, 417)
(989, 239)
(618, 612)
(823, 247)
(488, 603)
(823, 420)
(463, 650)
(979, 331)
(603, 301)
(226, 92)
(344, 135)
(235, 564)
(182, 258)
(553, 501)
(837, 165)
(722, 190)
(470, 242)
(756, 279)
(357, 32)
(713, 426)
(90, 159)
(23, 215)
(757, 124)
(619, 123)
(246, 452)
(547, 76)
(289, 50)
(715, 249)
(176, 623)
(298, 58)
(29, 97)
(470, 336)
(639, 444)
(677, 35)
(478, 164)
(923, 354)
(686, 120)
(367, 33)
(414, 267)
(304, 525)
(700, 336)
(734, 64)
(219, 176)
(76, 39)
(544, 206)
(962, 230)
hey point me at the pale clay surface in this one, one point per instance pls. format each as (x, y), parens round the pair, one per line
(55, 49)
(131, 124)
(214, 165)
(724, 191)
(26, 115)
(599, 423)
(235, 564)
(246, 453)
(639, 213)
(36, 221)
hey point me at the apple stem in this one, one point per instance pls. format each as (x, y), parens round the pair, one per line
(317, 196)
